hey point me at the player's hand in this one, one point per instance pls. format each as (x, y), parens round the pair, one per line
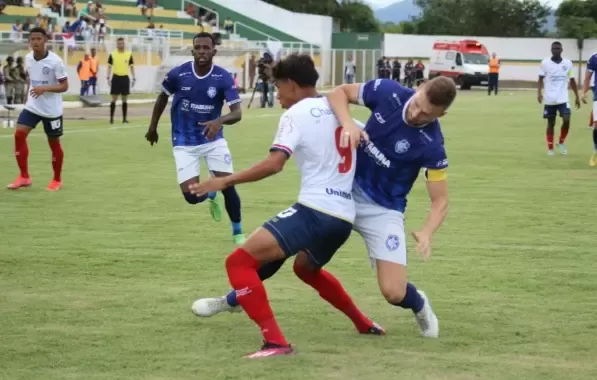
(540, 98)
(36, 92)
(584, 98)
(134, 81)
(577, 102)
(211, 128)
(352, 135)
(208, 186)
(423, 244)
(152, 136)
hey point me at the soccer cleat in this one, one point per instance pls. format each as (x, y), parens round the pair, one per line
(593, 160)
(19, 182)
(215, 208)
(111, 121)
(239, 239)
(270, 349)
(375, 329)
(125, 122)
(208, 307)
(427, 320)
(562, 149)
(54, 185)
(550, 152)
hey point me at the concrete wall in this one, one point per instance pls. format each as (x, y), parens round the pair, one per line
(520, 56)
(147, 76)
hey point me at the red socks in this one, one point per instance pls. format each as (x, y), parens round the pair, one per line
(549, 140)
(57, 158)
(22, 152)
(563, 134)
(251, 295)
(331, 290)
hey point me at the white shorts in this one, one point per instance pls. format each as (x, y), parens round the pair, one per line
(188, 159)
(382, 230)
(594, 110)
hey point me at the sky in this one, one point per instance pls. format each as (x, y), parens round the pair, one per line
(383, 3)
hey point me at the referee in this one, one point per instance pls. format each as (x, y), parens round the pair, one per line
(119, 63)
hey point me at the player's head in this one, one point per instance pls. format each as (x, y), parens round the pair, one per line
(37, 39)
(556, 49)
(204, 49)
(120, 44)
(432, 100)
(19, 61)
(295, 78)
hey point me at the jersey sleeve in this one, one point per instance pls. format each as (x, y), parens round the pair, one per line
(170, 82)
(60, 71)
(592, 63)
(374, 92)
(287, 137)
(571, 70)
(435, 163)
(542, 69)
(230, 91)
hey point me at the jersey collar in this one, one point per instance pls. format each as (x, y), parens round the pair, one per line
(42, 58)
(201, 77)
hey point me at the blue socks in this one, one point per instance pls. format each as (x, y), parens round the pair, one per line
(193, 199)
(266, 271)
(232, 203)
(412, 300)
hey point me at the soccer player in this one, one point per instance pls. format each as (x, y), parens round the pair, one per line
(589, 78)
(554, 74)
(317, 225)
(48, 80)
(200, 90)
(120, 62)
(404, 137)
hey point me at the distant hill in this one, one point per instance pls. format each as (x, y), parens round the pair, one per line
(398, 11)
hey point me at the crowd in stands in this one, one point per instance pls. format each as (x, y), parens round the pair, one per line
(203, 16)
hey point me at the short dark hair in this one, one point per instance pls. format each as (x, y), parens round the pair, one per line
(37, 29)
(205, 35)
(298, 68)
(441, 91)
(556, 43)
(120, 39)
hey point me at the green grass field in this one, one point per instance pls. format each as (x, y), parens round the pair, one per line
(96, 281)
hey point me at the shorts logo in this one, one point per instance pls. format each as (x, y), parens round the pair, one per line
(392, 242)
(227, 159)
(402, 146)
(45, 70)
(211, 92)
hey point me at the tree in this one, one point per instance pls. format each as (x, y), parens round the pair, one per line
(351, 15)
(500, 18)
(577, 19)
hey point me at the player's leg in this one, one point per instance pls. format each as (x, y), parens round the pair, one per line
(550, 113)
(593, 159)
(126, 90)
(114, 94)
(496, 84)
(25, 123)
(564, 111)
(54, 130)
(188, 167)
(219, 163)
(383, 233)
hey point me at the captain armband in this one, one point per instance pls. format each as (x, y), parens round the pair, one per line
(436, 175)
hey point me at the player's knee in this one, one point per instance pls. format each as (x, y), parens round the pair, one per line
(193, 199)
(269, 269)
(241, 258)
(303, 268)
(230, 192)
(394, 292)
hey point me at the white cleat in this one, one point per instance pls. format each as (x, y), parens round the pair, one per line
(551, 152)
(563, 149)
(427, 320)
(207, 307)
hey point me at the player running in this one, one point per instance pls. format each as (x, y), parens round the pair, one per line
(554, 74)
(589, 79)
(47, 81)
(317, 225)
(200, 90)
(404, 137)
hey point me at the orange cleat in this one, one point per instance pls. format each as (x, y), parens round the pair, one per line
(19, 182)
(54, 185)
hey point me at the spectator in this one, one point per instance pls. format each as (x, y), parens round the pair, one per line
(8, 79)
(27, 25)
(84, 70)
(70, 8)
(19, 74)
(2, 6)
(66, 27)
(228, 25)
(38, 20)
(17, 31)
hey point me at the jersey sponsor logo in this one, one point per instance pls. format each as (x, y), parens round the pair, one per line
(402, 146)
(397, 99)
(376, 84)
(443, 162)
(39, 82)
(285, 126)
(202, 108)
(377, 155)
(380, 119)
(339, 193)
(320, 112)
(45, 70)
(185, 89)
(184, 74)
(212, 92)
(392, 242)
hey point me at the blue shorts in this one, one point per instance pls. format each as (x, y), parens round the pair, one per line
(551, 111)
(52, 125)
(301, 228)
(92, 81)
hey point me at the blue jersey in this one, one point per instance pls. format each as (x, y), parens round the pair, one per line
(592, 68)
(389, 164)
(197, 100)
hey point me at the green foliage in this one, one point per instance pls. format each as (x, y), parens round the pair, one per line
(577, 19)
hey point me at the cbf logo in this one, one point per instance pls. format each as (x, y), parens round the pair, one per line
(211, 92)
(402, 146)
(392, 242)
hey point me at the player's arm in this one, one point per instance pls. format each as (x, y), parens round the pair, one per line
(132, 68)
(234, 103)
(591, 67)
(169, 85)
(574, 86)
(540, 83)
(110, 62)
(437, 187)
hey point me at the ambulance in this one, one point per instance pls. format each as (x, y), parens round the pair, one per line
(466, 61)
